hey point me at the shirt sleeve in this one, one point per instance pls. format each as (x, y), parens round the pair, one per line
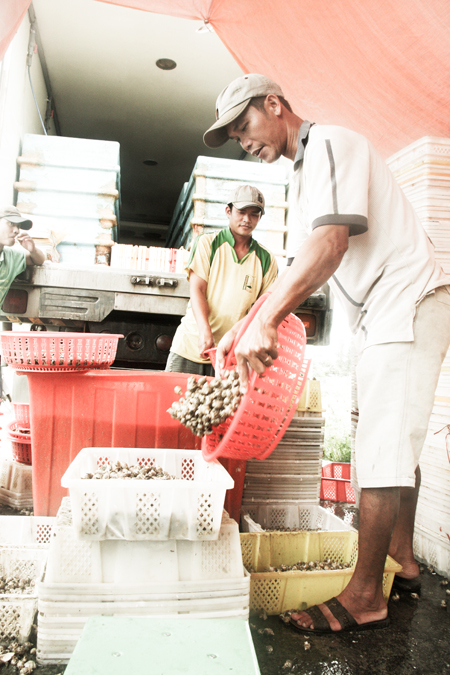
(336, 179)
(199, 260)
(270, 276)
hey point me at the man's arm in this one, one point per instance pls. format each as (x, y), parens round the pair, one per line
(199, 304)
(33, 256)
(318, 258)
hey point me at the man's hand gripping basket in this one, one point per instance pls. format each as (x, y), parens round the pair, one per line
(268, 406)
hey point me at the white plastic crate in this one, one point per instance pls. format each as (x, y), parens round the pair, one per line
(27, 531)
(430, 550)
(126, 563)
(258, 517)
(189, 507)
(16, 488)
(17, 610)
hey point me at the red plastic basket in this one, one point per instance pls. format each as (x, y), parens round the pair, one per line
(20, 442)
(337, 490)
(52, 351)
(269, 404)
(337, 470)
(22, 414)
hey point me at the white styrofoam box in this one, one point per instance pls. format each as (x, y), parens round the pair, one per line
(26, 531)
(427, 148)
(79, 561)
(70, 187)
(66, 152)
(261, 516)
(211, 187)
(76, 254)
(431, 551)
(189, 507)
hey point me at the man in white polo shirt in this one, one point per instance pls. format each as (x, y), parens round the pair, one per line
(227, 271)
(366, 240)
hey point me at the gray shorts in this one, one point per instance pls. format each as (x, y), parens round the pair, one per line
(396, 384)
(178, 364)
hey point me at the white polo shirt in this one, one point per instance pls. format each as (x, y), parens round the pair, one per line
(339, 178)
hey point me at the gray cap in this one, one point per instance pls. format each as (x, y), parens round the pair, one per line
(247, 195)
(13, 214)
(233, 100)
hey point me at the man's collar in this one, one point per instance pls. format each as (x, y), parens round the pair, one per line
(230, 239)
(2, 255)
(302, 142)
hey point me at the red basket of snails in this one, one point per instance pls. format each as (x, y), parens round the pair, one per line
(251, 428)
(47, 351)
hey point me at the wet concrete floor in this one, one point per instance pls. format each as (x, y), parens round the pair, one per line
(417, 642)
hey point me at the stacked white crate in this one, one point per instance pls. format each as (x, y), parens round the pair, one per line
(423, 171)
(16, 484)
(24, 543)
(201, 204)
(292, 473)
(96, 568)
(70, 189)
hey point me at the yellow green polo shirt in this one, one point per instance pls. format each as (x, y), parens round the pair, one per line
(12, 263)
(233, 287)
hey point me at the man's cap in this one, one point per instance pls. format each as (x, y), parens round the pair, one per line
(233, 100)
(247, 195)
(13, 214)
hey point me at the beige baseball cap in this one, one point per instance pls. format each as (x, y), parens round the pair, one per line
(233, 100)
(247, 195)
(13, 214)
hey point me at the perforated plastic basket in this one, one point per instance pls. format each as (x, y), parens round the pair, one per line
(189, 507)
(276, 592)
(22, 414)
(53, 351)
(20, 443)
(270, 402)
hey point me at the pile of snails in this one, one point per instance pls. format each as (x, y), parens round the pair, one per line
(207, 404)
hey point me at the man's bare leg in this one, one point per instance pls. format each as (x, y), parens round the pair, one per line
(401, 547)
(363, 596)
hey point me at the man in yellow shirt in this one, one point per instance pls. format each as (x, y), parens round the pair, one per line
(227, 271)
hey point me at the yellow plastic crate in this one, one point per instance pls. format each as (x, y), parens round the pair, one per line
(276, 592)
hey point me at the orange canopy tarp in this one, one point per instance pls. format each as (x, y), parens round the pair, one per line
(380, 67)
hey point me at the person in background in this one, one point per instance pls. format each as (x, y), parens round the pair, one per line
(14, 228)
(227, 271)
(366, 239)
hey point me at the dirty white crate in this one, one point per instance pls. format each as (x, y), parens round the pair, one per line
(73, 560)
(26, 531)
(17, 610)
(258, 517)
(183, 579)
(189, 507)
(16, 488)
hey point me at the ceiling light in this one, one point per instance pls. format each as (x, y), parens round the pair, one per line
(166, 64)
(150, 162)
